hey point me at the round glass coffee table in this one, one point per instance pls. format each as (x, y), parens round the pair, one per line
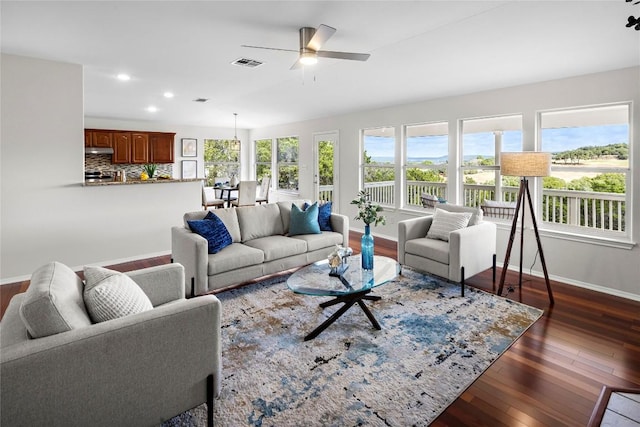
(352, 287)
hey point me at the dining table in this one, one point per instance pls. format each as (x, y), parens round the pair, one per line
(228, 189)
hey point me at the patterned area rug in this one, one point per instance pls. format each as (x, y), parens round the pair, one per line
(432, 346)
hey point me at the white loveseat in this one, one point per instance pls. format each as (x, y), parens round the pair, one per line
(261, 245)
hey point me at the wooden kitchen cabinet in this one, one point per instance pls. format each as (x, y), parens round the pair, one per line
(133, 146)
(139, 147)
(161, 145)
(97, 138)
(121, 147)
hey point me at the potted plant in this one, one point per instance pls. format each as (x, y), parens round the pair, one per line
(150, 170)
(369, 213)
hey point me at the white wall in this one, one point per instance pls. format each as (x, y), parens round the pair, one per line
(601, 267)
(46, 212)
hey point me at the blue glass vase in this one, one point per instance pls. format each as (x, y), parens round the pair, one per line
(366, 245)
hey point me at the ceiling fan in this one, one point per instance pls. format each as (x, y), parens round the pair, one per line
(311, 40)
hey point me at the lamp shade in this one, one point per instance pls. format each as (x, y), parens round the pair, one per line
(525, 163)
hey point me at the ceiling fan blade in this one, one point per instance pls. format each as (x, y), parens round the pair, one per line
(343, 55)
(269, 48)
(322, 34)
(296, 65)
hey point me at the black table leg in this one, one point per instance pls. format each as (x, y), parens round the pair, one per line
(348, 301)
(372, 319)
(329, 321)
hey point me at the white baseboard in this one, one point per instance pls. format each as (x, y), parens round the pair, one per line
(579, 284)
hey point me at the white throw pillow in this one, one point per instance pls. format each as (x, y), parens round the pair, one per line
(445, 222)
(110, 294)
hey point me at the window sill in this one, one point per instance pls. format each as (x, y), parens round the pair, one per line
(599, 240)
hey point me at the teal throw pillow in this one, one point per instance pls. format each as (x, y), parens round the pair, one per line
(324, 215)
(304, 222)
(213, 229)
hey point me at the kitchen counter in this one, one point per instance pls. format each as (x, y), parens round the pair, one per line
(139, 181)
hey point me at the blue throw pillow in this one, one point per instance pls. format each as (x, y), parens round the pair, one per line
(213, 229)
(304, 222)
(324, 215)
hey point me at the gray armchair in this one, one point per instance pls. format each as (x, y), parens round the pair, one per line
(469, 250)
(141, 369)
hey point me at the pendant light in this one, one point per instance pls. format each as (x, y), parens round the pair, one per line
(235, 128)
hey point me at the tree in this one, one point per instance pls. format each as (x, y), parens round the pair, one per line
(609, 183)
(325, 162)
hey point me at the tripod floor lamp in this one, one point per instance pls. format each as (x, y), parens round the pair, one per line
(524, 164)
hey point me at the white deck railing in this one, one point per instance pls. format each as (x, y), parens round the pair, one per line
(602, 211)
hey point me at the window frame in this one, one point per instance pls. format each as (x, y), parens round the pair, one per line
(577, 231)
(257, 163)
(228, 165)
(412, 196)
(279, 164)
(499, 147)
(381, 197)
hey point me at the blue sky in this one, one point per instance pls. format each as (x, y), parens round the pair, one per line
(553, 140)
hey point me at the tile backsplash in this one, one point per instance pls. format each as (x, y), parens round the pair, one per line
(102, 163)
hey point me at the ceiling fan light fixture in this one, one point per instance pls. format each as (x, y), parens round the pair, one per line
(308, 58)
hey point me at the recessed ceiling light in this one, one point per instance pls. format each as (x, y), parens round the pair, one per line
(152, 108)
(124, 77)
(168, 94)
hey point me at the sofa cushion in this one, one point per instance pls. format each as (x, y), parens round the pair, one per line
(228, 216)
(304, 221)
(233, 257)
(110, 294)
(328, 239)
(445, 222)
(436, 250)
(285, 212)
(214, 230)
(53, 301)
(259, 221)
(476, 216)
(276, 247)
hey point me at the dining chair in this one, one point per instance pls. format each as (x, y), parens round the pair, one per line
(263, 197)
(246, 194)
(209, 199)
(219, 181)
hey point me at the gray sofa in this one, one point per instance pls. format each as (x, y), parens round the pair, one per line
(138, 370)
(261, 246)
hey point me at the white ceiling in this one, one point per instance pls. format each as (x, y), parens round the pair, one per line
(419, 50)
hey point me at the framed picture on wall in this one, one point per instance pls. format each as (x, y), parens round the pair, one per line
(189, 147)
(189, 169)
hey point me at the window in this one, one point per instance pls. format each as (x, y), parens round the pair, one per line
(221, 159)
(378, 164)
(263, 158)
(482, 141)
(427, 148)
(590, 169)
(287, 163)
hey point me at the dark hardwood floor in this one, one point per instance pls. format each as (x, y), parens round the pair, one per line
(553, 375)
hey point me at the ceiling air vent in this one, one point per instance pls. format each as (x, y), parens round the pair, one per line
(246, 62)
(201, 100)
